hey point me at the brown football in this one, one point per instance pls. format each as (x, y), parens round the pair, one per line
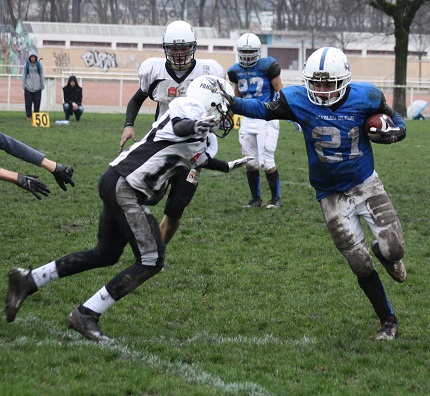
(378, 121)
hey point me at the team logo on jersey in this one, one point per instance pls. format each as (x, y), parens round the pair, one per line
(194, 160)
(171, 92)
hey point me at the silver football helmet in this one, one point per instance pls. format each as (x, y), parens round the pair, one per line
(206, 90)
(326, 64)
(248, 49)
(180, 35)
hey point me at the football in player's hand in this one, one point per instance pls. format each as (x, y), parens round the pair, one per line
(379, 121)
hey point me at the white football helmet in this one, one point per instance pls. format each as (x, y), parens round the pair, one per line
(248, 49)
(180, 35)
(206, 90)
(326, 64)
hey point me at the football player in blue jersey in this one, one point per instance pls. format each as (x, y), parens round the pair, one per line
(259, 78)
(162, 80)
(332, 112)
(135, 180)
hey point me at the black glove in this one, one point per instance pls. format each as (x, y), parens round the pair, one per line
(205, 124)
(226, 96)
(63, 175)
(389, 134)
(30, 183)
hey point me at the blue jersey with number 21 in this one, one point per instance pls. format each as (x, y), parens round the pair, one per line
(339, 152)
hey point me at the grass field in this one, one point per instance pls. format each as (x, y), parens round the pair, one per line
(251, 302)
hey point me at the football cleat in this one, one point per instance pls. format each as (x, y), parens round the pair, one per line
(274, 203)
(254, 203)
(396, 269)
(87, 325)
(389, 332)
(21, 285)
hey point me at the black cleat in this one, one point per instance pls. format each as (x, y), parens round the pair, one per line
(21, 285)
(274, 203)
(389, 331)
(87, 325)
(254, 203)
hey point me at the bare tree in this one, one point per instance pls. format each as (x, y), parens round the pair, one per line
(76, 11)
(402, 12)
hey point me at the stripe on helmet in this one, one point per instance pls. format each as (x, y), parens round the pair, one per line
(322, 61)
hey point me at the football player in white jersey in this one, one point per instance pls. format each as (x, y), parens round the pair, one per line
(135, 179)
(258, 78)
(162, 80)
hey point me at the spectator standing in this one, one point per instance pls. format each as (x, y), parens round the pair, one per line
(33, 83)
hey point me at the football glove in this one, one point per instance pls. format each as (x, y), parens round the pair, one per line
(205, 125)
(63, 175)
(30, 183)
(226, 96)
(238, 163)
(387, 135)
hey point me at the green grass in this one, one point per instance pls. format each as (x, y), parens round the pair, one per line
(251, 302)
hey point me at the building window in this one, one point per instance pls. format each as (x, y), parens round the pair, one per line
(288, 58)
(88, 44)
(380, 52)
(126, 45)
(353, 52)
(152, 46)
(222, 48)
(54, 42)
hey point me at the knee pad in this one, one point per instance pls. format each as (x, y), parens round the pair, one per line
(359, 260)
(267, 164)
(392, 244)
(266, 167)
(251, 165)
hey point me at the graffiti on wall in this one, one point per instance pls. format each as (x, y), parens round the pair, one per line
(103, 60)
(62, 61)
(19, 46)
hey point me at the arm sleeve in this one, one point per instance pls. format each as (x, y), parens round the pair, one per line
(183, 126)
(20, 150)
(133, 107)
(278, 109)
(216, 164)
(274, 71)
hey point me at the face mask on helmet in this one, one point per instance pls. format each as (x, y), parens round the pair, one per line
(179, 44)
(326, 66)
(248, 49)
(206, 90)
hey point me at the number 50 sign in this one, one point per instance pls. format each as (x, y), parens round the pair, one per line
(40, 120)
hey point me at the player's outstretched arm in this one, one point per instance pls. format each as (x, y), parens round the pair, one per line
(133, 107)
(224, 166)
(62, 173)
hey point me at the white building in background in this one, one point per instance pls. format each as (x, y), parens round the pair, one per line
(120, 48)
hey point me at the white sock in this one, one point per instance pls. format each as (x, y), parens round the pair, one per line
(100, 302)
(44, 274)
